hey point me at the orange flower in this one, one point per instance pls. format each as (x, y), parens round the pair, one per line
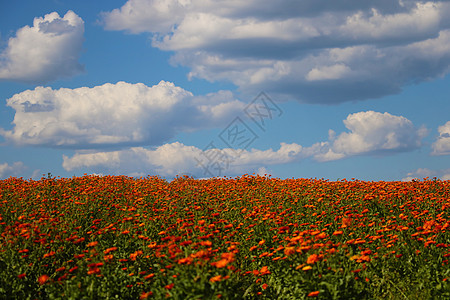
(429, 225)
(338, 232)
(313, 294)
(43, 279)
(149, 276)
(312, 259)
(346, 222)
(215, 278)
(135, 254)
(221, 263)
(110, 250)
(321, 235)
(94, 270)
(289, 250)
(186, 260)
(73, 269)
(264, 271)
(51, 253)
(145, 295)
(170, 286)
(107, 258)
(92, 244)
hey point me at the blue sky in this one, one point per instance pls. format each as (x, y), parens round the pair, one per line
(325, 88)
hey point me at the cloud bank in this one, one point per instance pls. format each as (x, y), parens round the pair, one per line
(7, 170)
(370, 133)
(120, 114)
(442, 145)
(318, 51)
(177, 158)
(47, 51)
(424, 172)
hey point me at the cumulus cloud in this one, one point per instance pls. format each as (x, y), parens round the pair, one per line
(370, 133)
(421, 173)
(177, 158)
(114, 114)
(314, 51)
(442, 145)
(7, 170)
(46, 51)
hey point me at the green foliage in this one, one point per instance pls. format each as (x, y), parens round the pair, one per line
(249, 237)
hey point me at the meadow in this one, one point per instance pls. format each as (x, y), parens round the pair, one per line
(249, 237)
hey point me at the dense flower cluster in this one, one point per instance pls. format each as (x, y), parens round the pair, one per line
(250, 236)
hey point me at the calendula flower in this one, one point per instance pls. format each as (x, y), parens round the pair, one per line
(215, 278)
(313, 294)
(43, 279)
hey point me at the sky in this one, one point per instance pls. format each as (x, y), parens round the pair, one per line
(292, 88)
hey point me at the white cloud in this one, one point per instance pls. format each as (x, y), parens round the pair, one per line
(424, 19)
(371, 133)
(328, 72)
(176, 158)
(46, 51)
(442, 145)
(15, 169)
(114, 114)
(318, 51)
(421, 173)
(140, 15)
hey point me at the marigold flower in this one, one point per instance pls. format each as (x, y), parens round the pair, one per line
(186, 260)
(110, 250)
(135, 254)
(51, 253)
(43, 279)
(221, 263)
(312, 259)
(346, 222)
(313, 294)
(170, 286)
(107, 258)
(94, 271)
(264, 271)
(92, 244)
(145, 295)
(215, 278)
(321, 235)
(289, 250)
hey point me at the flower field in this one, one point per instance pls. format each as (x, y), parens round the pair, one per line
(251, 237)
